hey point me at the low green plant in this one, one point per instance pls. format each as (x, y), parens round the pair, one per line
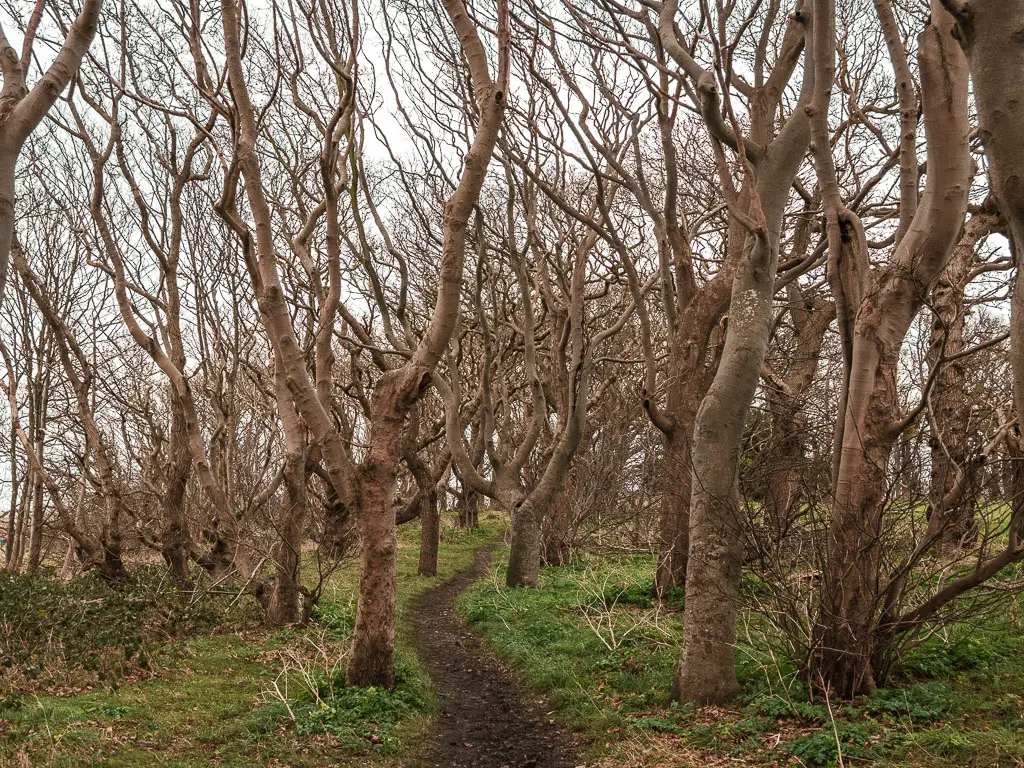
(822, 749)
(919, 704)
(780, 707)
(363, 718)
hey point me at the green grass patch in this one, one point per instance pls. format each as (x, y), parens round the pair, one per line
(591, 640)
(210, 700)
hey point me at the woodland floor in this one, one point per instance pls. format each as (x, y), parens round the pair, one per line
(571, 674)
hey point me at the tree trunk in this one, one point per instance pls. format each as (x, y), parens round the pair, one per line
(785, 474)
(18, 556)
(35, 541)
(469, 508)
(68, 568)
(525, 546)
(557, 529)
(284, 605)
(843, 643)
(430, 532)
(991, 33)
(692, 372)
(674, 521)
(707, 672)
(12, 511)
(8, 166)
(174, 534)
(528, 515)
(371, 661)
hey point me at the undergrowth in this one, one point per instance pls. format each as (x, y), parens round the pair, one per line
(955, 698)
(218, 690)
(135, 677)
(86, 631)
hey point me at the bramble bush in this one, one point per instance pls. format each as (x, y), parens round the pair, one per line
(87, 630)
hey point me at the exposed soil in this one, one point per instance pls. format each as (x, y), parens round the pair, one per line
(487, 719)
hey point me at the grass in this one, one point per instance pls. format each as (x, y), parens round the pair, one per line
(591, 640)
(206, 702)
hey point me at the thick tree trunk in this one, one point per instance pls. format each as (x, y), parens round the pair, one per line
(707, 672)
(785, 474)
(112, 564)
(698, 311)
(175, 542)
(557, 528)
(525, 545)
(470, 498)
(35, 540)
(469, 508)
(428, 479)
(529, 514)
(843, 644)
(8, 166)
(283, 606)
(371, 661)
(692, 371)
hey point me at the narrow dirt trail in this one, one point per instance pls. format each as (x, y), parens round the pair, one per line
(487, 719)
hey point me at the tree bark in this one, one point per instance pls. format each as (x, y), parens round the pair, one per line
(175, 542)
(10, 546)
(674, 520)
(949, 417)
(992, 34)
(892, 296)
(706, 672)
(371, 660)
(557, 527)
(283, 607)
(469, 509)
(430, 533)
(35, 537)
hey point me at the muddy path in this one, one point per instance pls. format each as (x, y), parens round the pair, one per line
(488, 720)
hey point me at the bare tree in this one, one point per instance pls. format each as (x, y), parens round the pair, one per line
(874, 309)
(22, 109)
